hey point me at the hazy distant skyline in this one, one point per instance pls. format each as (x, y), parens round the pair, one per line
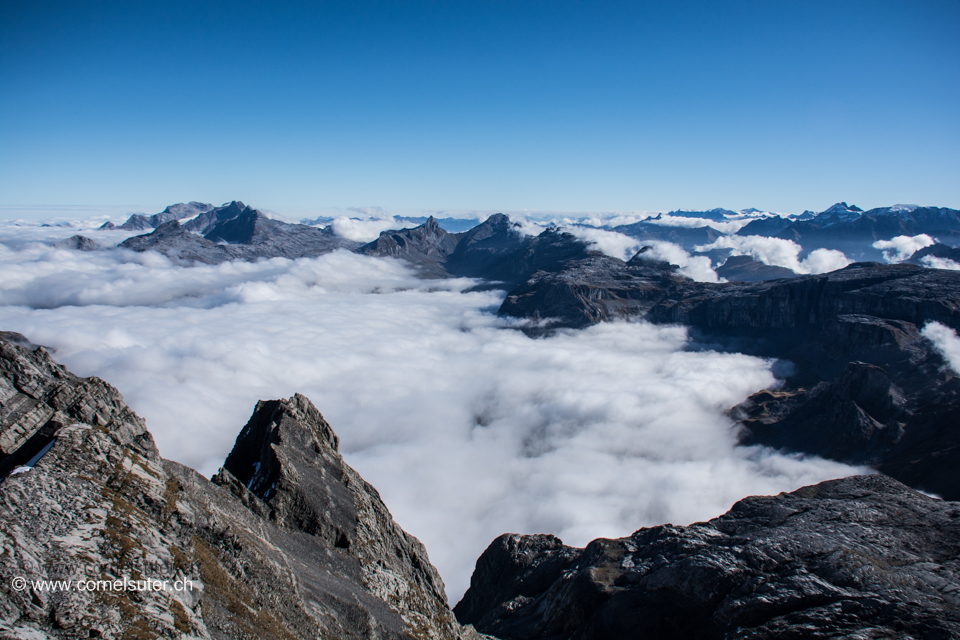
(490, 106)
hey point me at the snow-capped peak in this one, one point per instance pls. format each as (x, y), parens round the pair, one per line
(844, 208)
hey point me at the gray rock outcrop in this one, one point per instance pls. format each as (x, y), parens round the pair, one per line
(314, 554)
(77, 243)
(861, 557)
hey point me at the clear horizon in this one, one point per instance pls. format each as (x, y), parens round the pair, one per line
(555, 107)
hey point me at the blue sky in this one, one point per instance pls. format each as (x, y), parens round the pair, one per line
(554, 106)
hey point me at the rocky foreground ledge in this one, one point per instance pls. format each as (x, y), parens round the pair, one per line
(288, 542)
(862, 557)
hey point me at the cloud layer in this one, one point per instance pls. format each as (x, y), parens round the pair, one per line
(902, 247)
(940, 263)
(468, 428)
(780, 253)
(946, 341)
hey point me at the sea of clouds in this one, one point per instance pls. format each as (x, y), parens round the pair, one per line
(466, 426)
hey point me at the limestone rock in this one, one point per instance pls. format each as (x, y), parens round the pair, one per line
(861, 557)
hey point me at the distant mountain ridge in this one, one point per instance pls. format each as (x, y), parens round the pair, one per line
(853, 231)
(236, 231)
(842, 227)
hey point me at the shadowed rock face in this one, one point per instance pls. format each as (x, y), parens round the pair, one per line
(307, 551)
(861, 557)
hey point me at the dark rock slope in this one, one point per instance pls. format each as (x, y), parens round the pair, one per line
(289, 542)
(861, 557)
(866, 387)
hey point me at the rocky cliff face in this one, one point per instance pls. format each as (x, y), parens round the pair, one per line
(295, 545)
(861, 557)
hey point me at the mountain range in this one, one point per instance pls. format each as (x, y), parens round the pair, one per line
(236, 231)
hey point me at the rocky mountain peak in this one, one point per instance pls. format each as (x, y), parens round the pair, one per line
(843, 207)
(318, 556)
(239, 229)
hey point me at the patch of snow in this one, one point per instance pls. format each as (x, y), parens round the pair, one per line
(903, 207)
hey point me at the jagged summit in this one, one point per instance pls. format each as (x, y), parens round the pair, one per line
(842, 208)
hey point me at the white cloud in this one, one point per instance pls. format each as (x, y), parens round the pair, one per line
(903, 246)
(940, 263)
(946, 341)
(695, 267)
(365, 229)
(823, 261)
(616, 245)
(730, 226)
(468, 429)
(780, 253)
